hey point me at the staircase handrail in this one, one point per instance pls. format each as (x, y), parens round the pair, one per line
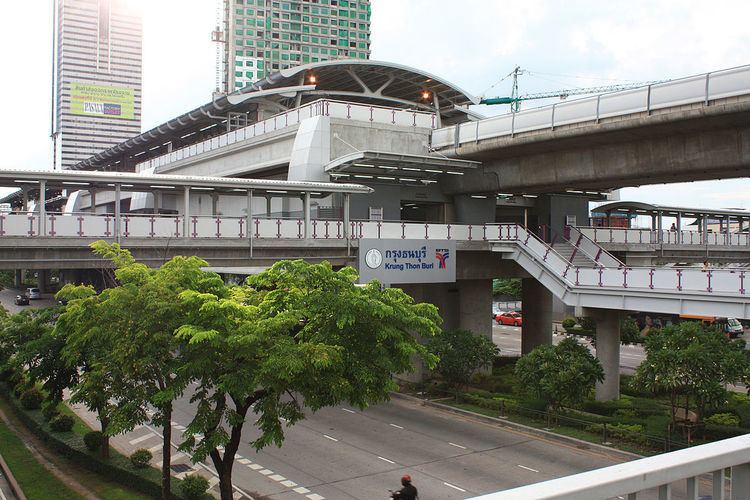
(600, 251)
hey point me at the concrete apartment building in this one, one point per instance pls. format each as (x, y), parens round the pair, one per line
(98, 77)
(265, 36)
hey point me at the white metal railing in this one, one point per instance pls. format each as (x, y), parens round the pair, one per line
(658, 472)
(695, 89)
(292, 118)
(710, 281)
(627, 278)
(666, 237)
(582, 243)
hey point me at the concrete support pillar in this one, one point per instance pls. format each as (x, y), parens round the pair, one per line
(608, 352)
(214, 204)
(347, 198)
(43, 208)
(18, 278)
(186, 212)
(268, 206)
(92, 194)
(43, 280)
(25, 199)
(474, 302)
(653, 222)
(118, 199)
(306, 210)
(740, 481)
(537, 315)
(678, 225)
(157, 202)
(660, 227)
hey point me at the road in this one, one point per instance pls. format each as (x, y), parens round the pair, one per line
(8, 295)
(344, 453)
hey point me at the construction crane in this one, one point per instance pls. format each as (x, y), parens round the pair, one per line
(515, 100)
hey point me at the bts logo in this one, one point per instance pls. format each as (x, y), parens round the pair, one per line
(441, 254)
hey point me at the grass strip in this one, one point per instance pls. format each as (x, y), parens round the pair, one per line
(35, 481)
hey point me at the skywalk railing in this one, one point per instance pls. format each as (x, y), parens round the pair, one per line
(702, 88)
(659, 473)
(625, 278)
(582, 242)
(665, 237)
(292, 118)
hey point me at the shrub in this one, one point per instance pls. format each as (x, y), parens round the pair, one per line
(725, 419)
(194, 486)
(141, 458)
(93, 440)
(62, 423)
(714, 431)
(568, 322)
(629, 332)
(31, 399)
(7, 372)
(50, 411)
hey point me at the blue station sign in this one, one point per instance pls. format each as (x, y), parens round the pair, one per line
(393, 261)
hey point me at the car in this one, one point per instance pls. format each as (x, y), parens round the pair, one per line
(21, 300)
(33, 293)
(509, 318)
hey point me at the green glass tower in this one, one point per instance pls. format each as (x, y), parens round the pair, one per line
(263, 36)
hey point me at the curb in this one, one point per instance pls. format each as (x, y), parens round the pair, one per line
(579, 443)
(17, 491)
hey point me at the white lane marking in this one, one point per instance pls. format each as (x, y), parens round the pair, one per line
(348, 410)
(301, 490)
(237, 495)
(277, 477)
(213, 482)
(266, 472)
(156, 448)
(179, 427)
(454, 487)
(142, 438)
(255, 466)
(2, 495)
(315, 496)
(527, 468)
(396, 426)
(244, 461)
(457, 445)
(386, 460)
(176, 456)
(289, 484)
(329, 437)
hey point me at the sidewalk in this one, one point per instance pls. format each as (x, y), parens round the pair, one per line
(149, 438)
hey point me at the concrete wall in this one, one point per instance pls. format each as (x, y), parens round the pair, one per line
(474, 210)
(386, 196)
(363, 136)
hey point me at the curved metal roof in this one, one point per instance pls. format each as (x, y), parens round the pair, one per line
(367, 81)
(649, 208)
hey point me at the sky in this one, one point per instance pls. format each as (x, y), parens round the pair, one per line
(472, 43)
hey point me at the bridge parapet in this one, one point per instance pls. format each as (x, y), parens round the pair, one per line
(290, 119)
(684, 91)
(635, 236)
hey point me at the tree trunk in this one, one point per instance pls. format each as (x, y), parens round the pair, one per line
(104, 422)
(225, 474)
(166, 453)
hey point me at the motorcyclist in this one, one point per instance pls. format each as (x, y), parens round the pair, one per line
(408, 492)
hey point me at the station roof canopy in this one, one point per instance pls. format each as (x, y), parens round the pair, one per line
(641, 208)
(378, 166)
(67, 179)
(361, 81)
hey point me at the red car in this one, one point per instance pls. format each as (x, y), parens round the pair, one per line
(509, 318)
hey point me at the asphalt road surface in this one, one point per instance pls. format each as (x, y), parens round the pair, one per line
(8, 295)
(344, 453)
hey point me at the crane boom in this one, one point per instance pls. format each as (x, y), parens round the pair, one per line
(514, 100)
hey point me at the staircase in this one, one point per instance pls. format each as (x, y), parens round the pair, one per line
(573, 255)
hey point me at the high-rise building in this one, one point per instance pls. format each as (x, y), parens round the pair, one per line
(98, 77)
(263, 36)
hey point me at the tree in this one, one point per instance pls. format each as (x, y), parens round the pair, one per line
(461, 354)
(136, 321)
(693, 365)
(507, 287)
(562, 375)
(296, 336)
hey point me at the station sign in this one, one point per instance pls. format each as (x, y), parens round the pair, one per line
(393, 261)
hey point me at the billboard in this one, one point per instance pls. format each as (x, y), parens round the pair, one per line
(394, 261)
(101, 100)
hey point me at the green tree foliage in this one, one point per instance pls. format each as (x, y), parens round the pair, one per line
(691, 364)
(507, 287)
(461, 354)
(135, 321)
(297, 336)
(562, 375)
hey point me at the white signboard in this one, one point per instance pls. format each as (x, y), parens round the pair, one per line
(392, 261)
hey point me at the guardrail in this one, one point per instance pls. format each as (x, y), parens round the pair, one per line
(695, 89)
(657, 472)
(664, 237)
(588, 246)
(292, 118)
